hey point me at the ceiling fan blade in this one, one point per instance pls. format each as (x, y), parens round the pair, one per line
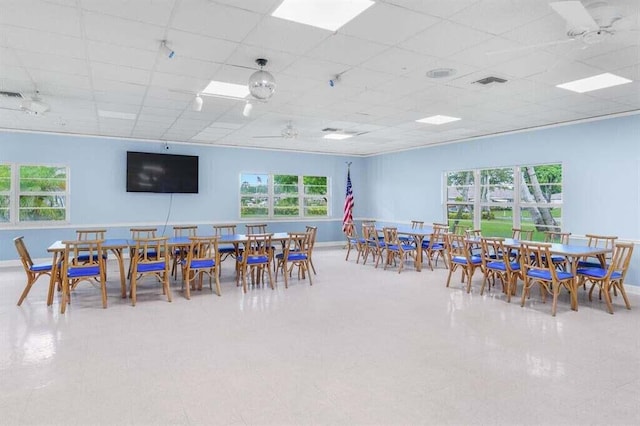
(531, 46)
(576, 15)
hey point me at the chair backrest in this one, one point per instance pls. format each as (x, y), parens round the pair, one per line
(492, 250)
(83, 258)
(143, 233)
(257, 247)
(557, 237)
(350, 230)
(417, 224)
(25, 258)
(534, 257)
(445, 226)
(460, 229)
(203, 248)
(604, 241)
(370, 234)
(298, 242)
(151, 251)
(390, 236)
(91, 234)
(457, 246)
(227, 229)
(522, 234)
(438, 235)
(473, 233)
(256, 228)
(185, 231)
(313, 231)
(621, 259)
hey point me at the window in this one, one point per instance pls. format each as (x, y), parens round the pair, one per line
(32, 193)
(499, 199)
(283, 196)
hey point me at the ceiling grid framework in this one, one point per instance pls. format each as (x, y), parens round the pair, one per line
(84, 56)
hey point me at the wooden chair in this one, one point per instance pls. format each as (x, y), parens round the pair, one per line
(313, 230)
(535, 270)
(395, 249)
(497, 266)
(476, 249)
(559, 238)
(611, 277)
(90, 234)
(226, 250)
(436, 246)
(460, 257)
(256, 258)
(604, 241)
(373, 245)
(522, 234)
(138, 234)
(256, 228)
(179, 253)
(353, 240)
(202, 258)
(33, 271)
(151, 258)
(77, 268)
(296, 253)
(460, 229)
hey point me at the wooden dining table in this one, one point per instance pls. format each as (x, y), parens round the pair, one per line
(418, 235)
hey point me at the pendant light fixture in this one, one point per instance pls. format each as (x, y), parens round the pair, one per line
(262, 85)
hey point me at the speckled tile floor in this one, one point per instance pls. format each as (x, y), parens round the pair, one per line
(360, 346)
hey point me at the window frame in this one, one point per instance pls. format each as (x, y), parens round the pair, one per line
(15, 193)
(271, 197)
(516, 205)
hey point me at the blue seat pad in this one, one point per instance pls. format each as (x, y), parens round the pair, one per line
(151, 267)
(405, 247)
(41, 267)
(201, 263)
(586, 264)
(436, 246)
(226, 249)
(251, 260)
(598, 273)
(85, 257)
(546, 275)
(91, 271)
(463, 260)
(501, 266)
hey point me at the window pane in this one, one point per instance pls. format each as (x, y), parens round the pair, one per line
(4, 208)
(460, 215)
(496, 221)
(460, 186)
(254, 206)
(541, 219)
(254, 184)
(315, 185)
(5, 177)
(43, 179)
(544, 183)
(315, 207)
(496, 185)
(285, 184)
(286, 206)
(42, 207)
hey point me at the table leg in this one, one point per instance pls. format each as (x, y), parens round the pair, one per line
(123, 283)
(418, 239)
(574, 283)
(55, 273)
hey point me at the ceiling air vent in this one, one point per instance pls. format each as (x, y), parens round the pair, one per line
(489, 80)
(330, 129)
(11, 94)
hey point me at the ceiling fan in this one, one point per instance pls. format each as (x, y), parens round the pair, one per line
(33, 105)
(589, 22)
(288, 132)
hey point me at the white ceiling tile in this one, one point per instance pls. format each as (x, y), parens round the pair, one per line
(123, 32)
(346, 50)
(39, 41)
(445, 39)
(53, 63)
(387, 24)
(41, 16)
(121, 55)
(397, 62)
(622, 58)
(204, 48)
(287, 36)
(188, 67)
(435, 7)
(149, 11)
(497, 17)
(120, 73)
(214, 20)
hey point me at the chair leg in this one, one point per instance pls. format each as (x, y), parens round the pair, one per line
(218, 291)
(30, 281)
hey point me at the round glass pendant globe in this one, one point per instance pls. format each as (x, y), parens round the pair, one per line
(262, 85)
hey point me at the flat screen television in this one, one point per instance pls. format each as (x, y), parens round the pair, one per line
(163, 173)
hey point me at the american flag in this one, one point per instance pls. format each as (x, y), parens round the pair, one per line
(348, 204)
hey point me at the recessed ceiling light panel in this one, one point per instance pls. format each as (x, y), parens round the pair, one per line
(226, 90)
(596, 82)
(337, 136)
(326, 14)
(116, 114)
(438, 119)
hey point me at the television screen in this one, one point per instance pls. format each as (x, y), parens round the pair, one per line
(166, 173)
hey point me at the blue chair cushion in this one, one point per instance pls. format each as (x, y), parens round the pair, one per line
(83, 272)
(226, 249)
(598, 273)
(85, 257)
(475, 260)
(546, 275)
(151, 267)
(41, 267)
(202, 263)
(515, 266)
(586, 264)
(253, 260)
(436, 246)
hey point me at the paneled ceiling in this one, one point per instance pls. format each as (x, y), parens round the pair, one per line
(83, 56)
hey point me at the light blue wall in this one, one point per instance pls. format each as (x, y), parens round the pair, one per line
(601, 176)
(98, 196)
